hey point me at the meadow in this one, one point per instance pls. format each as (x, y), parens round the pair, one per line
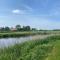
(41, 49)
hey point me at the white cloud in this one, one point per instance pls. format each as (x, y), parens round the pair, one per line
(27, 10)
(28, 7)
(22, 12)
(17, 11)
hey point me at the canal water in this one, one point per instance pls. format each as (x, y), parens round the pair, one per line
(5, 42)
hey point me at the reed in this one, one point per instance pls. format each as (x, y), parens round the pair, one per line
(29, 50)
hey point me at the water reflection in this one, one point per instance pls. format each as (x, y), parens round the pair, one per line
(5, 42)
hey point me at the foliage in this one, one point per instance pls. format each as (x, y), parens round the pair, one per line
(18, 27)
(26, 28)
(30, 50)
(7, 29)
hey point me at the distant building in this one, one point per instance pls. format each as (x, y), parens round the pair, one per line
(13, 29)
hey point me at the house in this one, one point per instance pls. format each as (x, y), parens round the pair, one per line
(13, 29)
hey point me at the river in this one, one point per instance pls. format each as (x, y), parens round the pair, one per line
(5, 42)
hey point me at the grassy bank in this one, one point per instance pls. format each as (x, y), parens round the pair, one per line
(19, 34)
(30, 50)
(55, 54)
(25, 33)
(15, 34)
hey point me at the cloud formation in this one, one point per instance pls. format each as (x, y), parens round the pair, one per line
(17, 11)
(28, 8)
(25, 10)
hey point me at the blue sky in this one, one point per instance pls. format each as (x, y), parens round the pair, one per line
(42, 14)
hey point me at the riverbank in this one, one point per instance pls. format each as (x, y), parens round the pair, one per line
(15, 34)
(30, 50)
(19, 34)
(26, 33)
(5, 42)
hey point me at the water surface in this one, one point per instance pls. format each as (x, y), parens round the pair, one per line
(5, 42)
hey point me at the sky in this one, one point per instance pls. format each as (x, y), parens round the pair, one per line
(41, 14)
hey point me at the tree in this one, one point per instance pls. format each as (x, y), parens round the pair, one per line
(34, 29)
(26, 28)
(2, 29)
(18, 27)
(7, 29)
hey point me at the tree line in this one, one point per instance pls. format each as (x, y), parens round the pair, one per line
(17, 28)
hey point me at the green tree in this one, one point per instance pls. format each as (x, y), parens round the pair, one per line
(2, 29)
(7, 29)
(18, 27)
(34, 29)
(26, 28)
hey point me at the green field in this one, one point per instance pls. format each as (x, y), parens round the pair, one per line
(44, 49)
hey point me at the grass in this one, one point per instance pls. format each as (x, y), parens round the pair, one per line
(19, 34)
(26, 33)
(15, 34)
(31, 50)
(55, 55)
